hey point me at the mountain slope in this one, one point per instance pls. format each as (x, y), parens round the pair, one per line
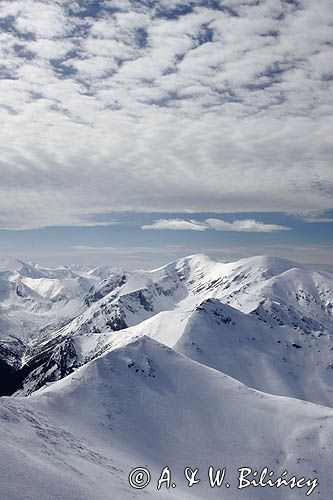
(164, 367)
(261, 320)
(277, 360)
(144, 404)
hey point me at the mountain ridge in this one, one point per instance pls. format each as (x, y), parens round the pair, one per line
(144, 403)
(292, 301)
(195, 364)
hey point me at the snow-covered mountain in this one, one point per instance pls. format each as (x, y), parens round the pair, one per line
(35, 301)
(198, 360)
(267, 322)
(143, 404)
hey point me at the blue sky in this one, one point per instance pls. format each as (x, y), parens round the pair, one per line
(134, 132)
(127, 244)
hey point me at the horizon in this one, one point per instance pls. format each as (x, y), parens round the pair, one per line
(113, 265)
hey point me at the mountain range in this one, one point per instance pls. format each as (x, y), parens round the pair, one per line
(196, 363)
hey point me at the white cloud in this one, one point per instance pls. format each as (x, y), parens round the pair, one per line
(245, 225)
(44, 19)
(137, 111)
(177, 225)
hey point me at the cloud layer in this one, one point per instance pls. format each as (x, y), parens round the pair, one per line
(163, 106)
(244, 225)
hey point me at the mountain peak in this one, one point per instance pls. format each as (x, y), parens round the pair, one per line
(268, 262)
(11, 265)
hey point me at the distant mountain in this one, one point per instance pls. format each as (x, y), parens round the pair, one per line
(35, 301)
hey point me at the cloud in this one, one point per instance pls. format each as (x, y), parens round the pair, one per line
(315, 216)
(316, 220)
(245, 225)
(177, 225)
(163, 106)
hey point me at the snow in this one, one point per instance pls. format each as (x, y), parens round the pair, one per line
(9, 265)
(35, 299)
(196, 363)
(145, 404)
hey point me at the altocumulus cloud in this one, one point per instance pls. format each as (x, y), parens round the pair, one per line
(163, 106)
(244, 225)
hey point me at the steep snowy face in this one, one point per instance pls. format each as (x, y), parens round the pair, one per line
(145, 404)
(302, 299)
(278, 291)
(126, 298)
(279, 360)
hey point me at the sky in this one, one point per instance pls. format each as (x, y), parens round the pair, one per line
(135, 132)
